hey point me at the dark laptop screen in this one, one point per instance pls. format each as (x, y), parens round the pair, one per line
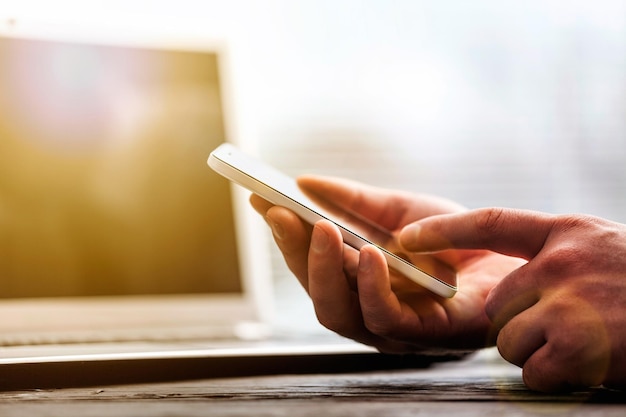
(104, 188)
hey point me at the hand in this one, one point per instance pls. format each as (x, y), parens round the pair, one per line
(357, 296)
(562, 316)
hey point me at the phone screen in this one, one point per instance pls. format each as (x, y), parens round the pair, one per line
(281, 189)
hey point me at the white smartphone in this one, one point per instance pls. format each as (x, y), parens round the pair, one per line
(282, 190)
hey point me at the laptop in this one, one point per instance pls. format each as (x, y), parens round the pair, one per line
(123, 257)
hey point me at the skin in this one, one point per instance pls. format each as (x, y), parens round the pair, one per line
(357, 296)
(549, 290)
(561, 317)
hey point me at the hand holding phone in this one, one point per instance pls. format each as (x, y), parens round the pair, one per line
(282, 190)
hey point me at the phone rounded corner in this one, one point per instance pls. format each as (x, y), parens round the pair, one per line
(448, 291)
(437, 286)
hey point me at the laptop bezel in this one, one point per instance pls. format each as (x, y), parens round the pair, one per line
(251, 234)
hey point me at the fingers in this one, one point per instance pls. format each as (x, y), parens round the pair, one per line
(521, 338)
(524, 342)
(291, 234)
(513, 294)
(379, 305)
(520, 233)
(541, 370)
(317, 256)
(370, 314)
(339, 305)
(336, 302)
(542, 373)
(341, 197)
(336, 305)
(388, 209)
(556, 352)
(557, 337)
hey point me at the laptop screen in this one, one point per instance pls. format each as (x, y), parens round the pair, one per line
(104, 188)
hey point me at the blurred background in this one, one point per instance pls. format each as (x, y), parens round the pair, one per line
(486, 102)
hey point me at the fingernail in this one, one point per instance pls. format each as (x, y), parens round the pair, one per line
(319, 240)
(277, 229)
(365, 261)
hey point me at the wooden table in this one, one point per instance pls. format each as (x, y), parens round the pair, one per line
(482, 385)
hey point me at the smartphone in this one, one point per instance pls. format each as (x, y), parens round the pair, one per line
(282, 190)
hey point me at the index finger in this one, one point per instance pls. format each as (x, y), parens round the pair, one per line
(520, 233)
(389, 209)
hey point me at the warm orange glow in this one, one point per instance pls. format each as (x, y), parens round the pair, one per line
(103, 182)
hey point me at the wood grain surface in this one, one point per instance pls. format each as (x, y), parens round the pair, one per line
(479, 386)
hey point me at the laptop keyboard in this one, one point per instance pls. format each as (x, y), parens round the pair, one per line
(120, 335)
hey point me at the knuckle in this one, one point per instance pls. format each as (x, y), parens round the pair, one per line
(330, 321)
(382, 328)
(568, 222)
(540, 377)
(489, 220)
(562, 349)
(546, 373)
(505, 347)
(492, 303)
(582, 242)
(565, 258)
(341, 322)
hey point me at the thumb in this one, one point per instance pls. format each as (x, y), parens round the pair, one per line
(520, 233)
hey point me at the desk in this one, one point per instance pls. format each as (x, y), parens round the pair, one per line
(482, 385)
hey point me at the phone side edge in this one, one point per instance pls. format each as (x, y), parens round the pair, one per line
(276, 196)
